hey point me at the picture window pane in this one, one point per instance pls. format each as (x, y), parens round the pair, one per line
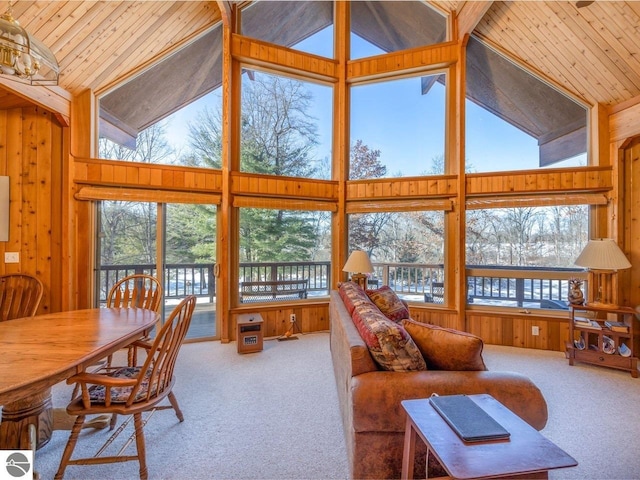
(402, 123)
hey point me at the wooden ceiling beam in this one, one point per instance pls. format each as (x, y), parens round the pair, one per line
(226, 12)
(469, 16)
(54, 99)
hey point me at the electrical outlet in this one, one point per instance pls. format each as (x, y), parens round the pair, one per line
(292, 318)
(12, 257)
(535, 330)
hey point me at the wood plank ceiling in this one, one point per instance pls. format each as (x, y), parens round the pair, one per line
(98, 43)
(592, 52)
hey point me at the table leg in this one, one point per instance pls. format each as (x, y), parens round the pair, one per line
(17, 417)
(409, 453)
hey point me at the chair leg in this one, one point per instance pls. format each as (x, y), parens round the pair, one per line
(71, 445)
(76, 390)
(142, 455)
(132, 356)
(113, 421)
(176, 407)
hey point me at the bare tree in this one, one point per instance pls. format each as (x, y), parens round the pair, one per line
(151, 147)
(128, 229)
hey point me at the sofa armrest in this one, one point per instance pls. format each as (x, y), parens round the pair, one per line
(377, 395)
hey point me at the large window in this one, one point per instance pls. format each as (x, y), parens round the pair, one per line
(523, 257)
(285, 126)
(160, 92)
(406, 249)
(305, 26)
(391, 26)
(403, 122)
(515, 121)
(284, 255)
(128, 244)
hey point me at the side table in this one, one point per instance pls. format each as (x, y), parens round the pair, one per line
(527, 454)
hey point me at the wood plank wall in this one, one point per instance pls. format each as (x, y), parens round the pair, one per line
(309, 318)
(31, 154)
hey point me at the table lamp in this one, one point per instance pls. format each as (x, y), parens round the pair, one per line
(603, 258)
(358, 264)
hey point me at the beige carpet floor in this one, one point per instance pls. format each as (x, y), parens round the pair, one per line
(274, 415)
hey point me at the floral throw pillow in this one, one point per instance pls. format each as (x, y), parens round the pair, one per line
(446, 348)
(352, 295)
(389, 303)
(389, 343)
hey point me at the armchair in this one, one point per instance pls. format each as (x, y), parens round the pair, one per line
(131, 391)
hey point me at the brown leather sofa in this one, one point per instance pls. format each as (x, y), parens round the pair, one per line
(374, 420)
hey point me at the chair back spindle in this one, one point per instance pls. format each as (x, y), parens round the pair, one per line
(139, 290)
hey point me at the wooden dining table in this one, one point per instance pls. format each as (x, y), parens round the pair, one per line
(38, 352)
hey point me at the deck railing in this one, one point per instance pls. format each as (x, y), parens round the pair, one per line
(524, 287)
(317, 273)
(180, 279)
(198, 279)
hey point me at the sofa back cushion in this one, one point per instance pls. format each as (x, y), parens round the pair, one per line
(389, 303)
(446, 348)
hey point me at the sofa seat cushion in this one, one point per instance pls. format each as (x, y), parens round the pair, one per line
(389, 303)
(446, 348)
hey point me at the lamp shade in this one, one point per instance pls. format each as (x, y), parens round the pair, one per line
(358, 262)
(602, 254)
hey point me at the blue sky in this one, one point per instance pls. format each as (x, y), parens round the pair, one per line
(397, 119)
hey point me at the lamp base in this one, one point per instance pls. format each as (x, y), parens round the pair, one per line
(360, 279)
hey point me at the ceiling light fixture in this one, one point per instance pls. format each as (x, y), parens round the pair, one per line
(24, 58)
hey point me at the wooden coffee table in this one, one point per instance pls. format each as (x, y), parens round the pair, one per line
(526, 453)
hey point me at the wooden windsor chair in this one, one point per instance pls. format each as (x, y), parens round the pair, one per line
(137, 290)
(20, 296)
(131, 391)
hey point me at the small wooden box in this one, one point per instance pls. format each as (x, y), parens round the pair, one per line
(249, 333)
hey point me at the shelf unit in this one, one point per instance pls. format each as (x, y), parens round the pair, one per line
(593, 339)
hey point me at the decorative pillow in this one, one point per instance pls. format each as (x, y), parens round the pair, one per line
(389, 303)
(446, 348)
(97, 393)
(352, 295)
(389, 343)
